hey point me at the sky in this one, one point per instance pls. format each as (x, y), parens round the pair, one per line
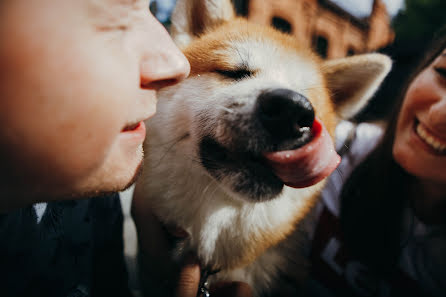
(164, 9)
(359, 8)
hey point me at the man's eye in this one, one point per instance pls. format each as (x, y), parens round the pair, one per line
(441, 71)
(237, 74)
(107, 28)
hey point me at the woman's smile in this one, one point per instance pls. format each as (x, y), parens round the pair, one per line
(434, 142)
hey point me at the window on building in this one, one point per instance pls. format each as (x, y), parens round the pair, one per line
(282, 25)
(241, 6)
(321, 46)
(350, 51)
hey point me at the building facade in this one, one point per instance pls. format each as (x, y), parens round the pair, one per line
(331, 30)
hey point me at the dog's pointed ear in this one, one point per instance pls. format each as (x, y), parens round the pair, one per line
(191, 18)
(352, 81)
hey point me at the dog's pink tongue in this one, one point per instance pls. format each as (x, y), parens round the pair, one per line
(306, 165)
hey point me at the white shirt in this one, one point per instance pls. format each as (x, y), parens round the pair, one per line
(423, 258)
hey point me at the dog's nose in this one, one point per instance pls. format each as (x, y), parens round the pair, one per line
(284, 113)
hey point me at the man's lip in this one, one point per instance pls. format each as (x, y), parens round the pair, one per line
(132, 127)
(136, 132)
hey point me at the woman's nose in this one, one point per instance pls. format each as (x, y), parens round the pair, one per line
(162, 63)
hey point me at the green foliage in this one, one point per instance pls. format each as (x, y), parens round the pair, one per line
(419, 20)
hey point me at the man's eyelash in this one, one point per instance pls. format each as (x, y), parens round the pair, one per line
(113, 28)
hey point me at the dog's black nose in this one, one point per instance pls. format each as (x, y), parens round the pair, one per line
(284, 113)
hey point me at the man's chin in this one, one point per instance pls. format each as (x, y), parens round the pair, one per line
(118, 187)
(136, 175)
(26, 193)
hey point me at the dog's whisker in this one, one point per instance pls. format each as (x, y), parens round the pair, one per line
(171, 147)
(215, 188)
(340, 174)
(312, 88)
(211, 164)
(225, 109)
(173, 141)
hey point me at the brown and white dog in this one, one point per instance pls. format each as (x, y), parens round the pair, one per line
(237, 153)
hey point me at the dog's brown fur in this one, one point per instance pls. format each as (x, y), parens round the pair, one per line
(252, 241)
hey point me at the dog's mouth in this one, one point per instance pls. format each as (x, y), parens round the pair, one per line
(305, 162)
(308, 164)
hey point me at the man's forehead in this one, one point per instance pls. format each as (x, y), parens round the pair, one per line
(106, 11)
(112, 3)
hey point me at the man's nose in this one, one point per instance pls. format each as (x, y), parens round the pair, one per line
(167, 68)
(162, 63)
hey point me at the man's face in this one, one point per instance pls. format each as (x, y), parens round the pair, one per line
(75, 79)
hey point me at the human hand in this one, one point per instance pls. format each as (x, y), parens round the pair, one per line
(189, 280)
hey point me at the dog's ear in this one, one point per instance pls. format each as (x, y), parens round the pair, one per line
(353, 81)
(193, 17)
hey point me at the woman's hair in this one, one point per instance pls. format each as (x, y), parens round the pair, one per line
(374, 197)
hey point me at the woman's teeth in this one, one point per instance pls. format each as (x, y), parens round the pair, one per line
(437, 144)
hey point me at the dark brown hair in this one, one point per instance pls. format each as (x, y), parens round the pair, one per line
(374, 197)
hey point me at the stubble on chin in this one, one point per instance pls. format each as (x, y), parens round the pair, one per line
(117, 188)
(15, 195)
(21, 188)
(136, 175)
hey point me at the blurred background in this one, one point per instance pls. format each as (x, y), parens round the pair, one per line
(339, 28)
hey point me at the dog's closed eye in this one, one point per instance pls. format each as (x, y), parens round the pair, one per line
(236, 74)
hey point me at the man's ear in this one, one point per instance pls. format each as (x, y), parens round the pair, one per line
(352, 81)
(191, 18)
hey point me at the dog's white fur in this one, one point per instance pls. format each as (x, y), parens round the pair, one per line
(253, 242)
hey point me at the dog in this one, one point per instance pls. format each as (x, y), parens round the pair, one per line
(238, 152)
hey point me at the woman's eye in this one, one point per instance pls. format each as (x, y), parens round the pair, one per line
(238, 74)
(441, 71)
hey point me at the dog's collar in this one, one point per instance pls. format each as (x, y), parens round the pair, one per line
(203, 288)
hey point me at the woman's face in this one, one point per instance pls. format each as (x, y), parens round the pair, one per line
(420, 141)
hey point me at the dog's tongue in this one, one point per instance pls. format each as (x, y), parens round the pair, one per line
(306, 165)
